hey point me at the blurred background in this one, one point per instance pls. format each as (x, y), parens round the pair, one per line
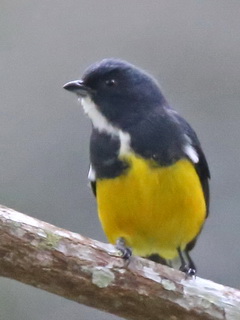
(191, 47)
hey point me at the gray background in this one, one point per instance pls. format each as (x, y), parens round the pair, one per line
(192, 48)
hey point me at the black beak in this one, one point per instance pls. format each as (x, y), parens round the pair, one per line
(77, 87)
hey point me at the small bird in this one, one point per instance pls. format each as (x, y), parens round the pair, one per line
(147, 168)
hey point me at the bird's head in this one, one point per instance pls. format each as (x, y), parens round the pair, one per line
(117, 91)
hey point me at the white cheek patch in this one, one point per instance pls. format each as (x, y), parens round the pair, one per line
(98, 120)
(103, 125)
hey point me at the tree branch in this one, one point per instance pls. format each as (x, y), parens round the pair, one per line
(92, 273)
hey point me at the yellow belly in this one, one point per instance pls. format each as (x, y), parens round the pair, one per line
(155, 209)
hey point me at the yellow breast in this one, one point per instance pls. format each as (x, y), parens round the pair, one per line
(155, 209)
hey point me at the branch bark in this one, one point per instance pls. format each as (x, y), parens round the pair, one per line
(92, 273)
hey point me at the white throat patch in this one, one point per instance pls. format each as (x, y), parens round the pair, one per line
(102, 124)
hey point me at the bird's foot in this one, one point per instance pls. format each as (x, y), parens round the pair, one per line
(187, 267)
(126, 251)
(189, 272)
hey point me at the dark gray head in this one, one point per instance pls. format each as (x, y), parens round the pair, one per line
(121, 92)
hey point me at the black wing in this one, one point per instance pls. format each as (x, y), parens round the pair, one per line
(93, 187)
(202, 165)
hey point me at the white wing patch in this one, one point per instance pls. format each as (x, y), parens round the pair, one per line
(91, 174)
(102, 124)
(191, 153)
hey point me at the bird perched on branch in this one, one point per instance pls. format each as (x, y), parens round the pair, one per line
(148, 170)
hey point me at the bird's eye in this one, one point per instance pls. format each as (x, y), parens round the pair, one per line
(111, 82)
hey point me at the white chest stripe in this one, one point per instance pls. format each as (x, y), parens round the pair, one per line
(102, 124)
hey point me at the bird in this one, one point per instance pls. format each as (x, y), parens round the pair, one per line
(147, 170)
